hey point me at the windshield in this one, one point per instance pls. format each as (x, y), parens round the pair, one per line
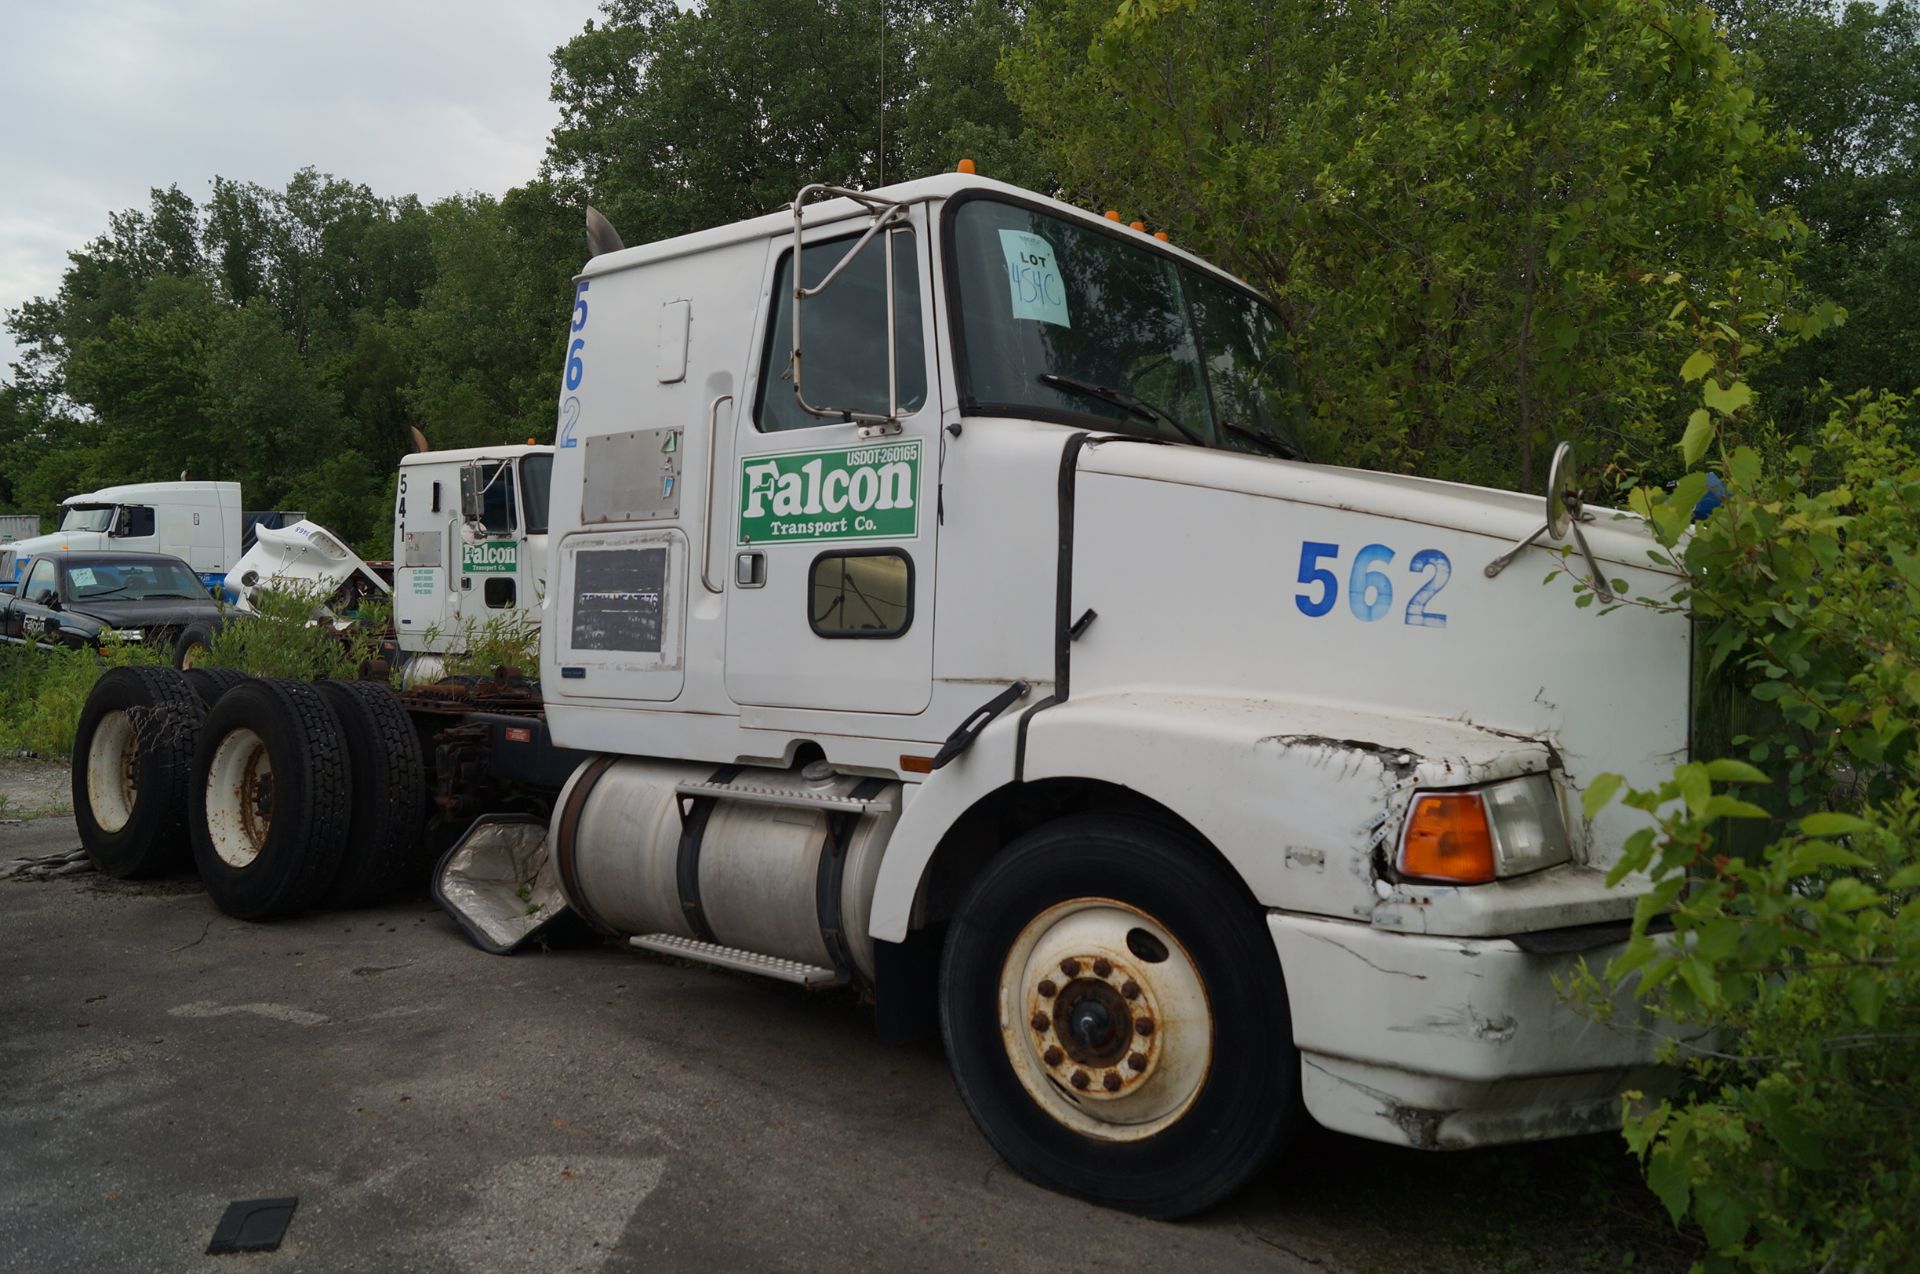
(88, 517)
(132, 580)
(1062, 321)
(536, 481)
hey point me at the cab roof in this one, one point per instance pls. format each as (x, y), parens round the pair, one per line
(941, 186)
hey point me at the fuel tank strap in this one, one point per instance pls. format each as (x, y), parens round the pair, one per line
(694, 814)
(830, 882)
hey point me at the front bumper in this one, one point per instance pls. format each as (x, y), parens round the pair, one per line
(1445, 1043)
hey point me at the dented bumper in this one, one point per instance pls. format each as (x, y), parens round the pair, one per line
(1445, 1043)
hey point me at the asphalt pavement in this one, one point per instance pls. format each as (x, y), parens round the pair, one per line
(436, 1108)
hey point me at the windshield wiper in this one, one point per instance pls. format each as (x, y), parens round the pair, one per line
(1283, 447)
(1137, 407)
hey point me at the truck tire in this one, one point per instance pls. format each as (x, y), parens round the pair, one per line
(1146, 1060)
(193, 642)
(272, 799)
(132, 771)
(385, 857)
(208, 684)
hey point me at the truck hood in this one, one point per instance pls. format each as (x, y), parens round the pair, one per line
(1503, 517)
(52, 541)
(165, 612)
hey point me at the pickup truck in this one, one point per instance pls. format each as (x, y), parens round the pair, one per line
(83, 598)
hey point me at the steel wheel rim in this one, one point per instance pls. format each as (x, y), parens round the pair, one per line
(1066, 979)
(113, 771)
(240, 795)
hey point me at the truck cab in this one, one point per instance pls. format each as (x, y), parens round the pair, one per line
(469, 543)
(197, 522)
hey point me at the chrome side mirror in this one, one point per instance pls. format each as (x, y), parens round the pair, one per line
(1566, 505)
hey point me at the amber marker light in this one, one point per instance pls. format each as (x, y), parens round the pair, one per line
(916, 764)
(966, 166)
(1112, 215)
(1162, 236)
(1448, 839)
(1141, 226)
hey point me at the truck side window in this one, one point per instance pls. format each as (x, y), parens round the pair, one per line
(40, 588)
(135, 519)
(843, 334)
(496, 509)
(861, 593)
(499, 592)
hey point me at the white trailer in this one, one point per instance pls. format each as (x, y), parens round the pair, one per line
(961, 623)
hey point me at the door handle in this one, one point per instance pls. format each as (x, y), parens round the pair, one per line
(750, 569)
(706, 535)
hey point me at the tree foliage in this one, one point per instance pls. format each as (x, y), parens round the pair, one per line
(1789, 869)
(1451, 201)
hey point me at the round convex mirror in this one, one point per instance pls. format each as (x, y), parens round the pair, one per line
(1563, 491)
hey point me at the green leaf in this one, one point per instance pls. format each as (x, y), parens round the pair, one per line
(1866, 992)
(1849, 893)
(1667, 1177)
(1698, 364)
(1718, 806)
(1693, 444)
(1722, 1217)
(1789, 1127)
(1812, 856)
(1729, 400)
(1599, 793)
(1830, 823)
(1728, 771)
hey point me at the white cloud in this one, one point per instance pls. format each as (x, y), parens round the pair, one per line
(103, 100)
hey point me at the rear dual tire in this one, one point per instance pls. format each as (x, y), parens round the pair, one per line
(133, 771)
(270, 813)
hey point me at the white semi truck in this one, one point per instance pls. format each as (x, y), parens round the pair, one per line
(940, 606)
(201, 523)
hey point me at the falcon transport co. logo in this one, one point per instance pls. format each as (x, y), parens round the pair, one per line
(868, 492)
(490, 557)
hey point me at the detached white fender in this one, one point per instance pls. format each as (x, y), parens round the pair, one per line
(1296, 797)
(305, 553)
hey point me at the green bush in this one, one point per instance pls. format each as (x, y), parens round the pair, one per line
(1794, 967)
(42, 690)
(292, 634)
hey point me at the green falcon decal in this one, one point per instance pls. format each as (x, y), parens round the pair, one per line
(490, 557)
(868, 492)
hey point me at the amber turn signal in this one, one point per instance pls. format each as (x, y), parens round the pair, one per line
(1448, 839)
(966, 166)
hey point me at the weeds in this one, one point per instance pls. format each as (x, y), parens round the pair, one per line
(43, 689)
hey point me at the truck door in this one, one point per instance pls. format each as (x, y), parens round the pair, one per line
(831, 570)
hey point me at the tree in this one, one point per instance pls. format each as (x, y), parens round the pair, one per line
(1455, 205)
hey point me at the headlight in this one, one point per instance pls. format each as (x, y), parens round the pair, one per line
(1481, 834)
(123, 634)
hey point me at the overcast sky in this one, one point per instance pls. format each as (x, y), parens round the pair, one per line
(101, 100)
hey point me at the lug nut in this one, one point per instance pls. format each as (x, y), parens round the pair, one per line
(1048, 990)
(1041, 1021)
(1137, 1061)
(1052, 1056)
(1144, 1025)
(1101, 968)
(1130, 989)
(1070, 967)
(1080, 1079)
(1111, 1081)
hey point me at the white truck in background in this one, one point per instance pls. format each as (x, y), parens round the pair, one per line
(938, 605)
(201, 523)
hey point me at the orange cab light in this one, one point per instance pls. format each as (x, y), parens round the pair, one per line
(916, 764)
(1137, 225)
(532, 443)
(1112, 215)
(966, 166)
(1448, 839)
(1162, 236)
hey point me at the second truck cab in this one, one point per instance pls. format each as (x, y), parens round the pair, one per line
(469, 543)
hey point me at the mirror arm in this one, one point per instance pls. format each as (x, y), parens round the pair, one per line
(885, 214)
(1601, 588)
(1501, 563)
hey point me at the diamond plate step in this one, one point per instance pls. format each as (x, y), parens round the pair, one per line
(752, 794)
(808, 975)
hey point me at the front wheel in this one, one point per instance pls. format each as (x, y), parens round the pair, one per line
(1115, 1018)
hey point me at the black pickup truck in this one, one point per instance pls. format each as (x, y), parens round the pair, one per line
(79, 598)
